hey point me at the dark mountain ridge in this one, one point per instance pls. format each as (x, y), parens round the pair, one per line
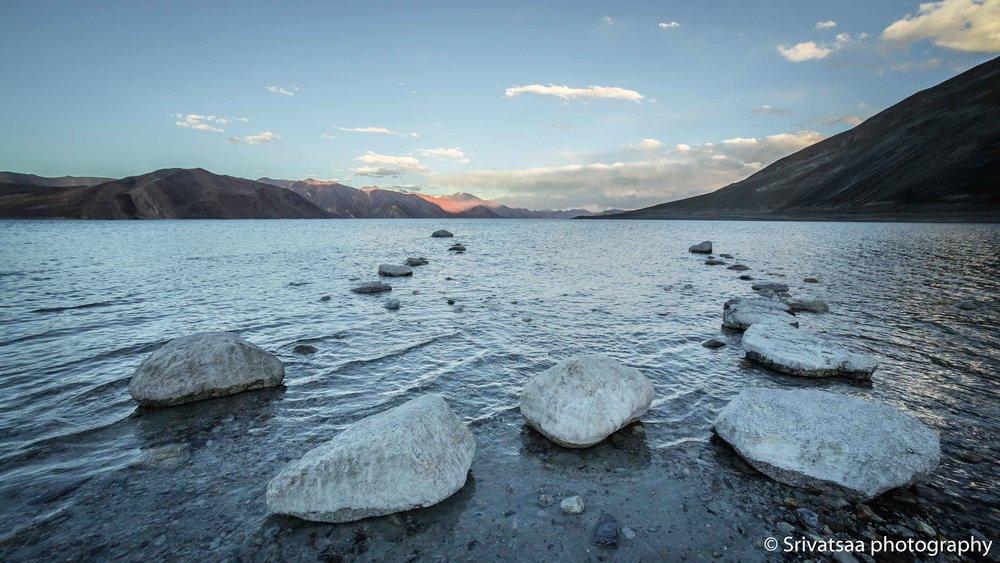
(934, 156)
(59, 182)
(173, 193)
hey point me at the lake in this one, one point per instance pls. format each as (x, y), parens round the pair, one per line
(84, 302)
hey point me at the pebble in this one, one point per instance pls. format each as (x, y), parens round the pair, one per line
(807, 517)
(863, 512)
(391, 304)
(572, 505)
(811, 280)
(924, 528)
(451, 301)
(545, 500)
(970, 457)
(325, 298)
(901, 531)
(784, 528)
(628, 533)
(713, 343)
(746, 277)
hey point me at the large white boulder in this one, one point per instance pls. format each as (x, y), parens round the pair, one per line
(741, 312)
(828, 441)
(701, 247)
(202, 366)
(797, 352)
(582, 400)
(410, 456)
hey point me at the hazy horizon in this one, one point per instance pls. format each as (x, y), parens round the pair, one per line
(576, 105)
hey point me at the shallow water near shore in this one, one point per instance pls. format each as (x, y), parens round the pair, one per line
(84, 473)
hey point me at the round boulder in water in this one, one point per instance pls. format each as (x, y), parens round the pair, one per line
(410, 456)
(441, 234)
(741, 312)
(828, 441)
(582, 400)
(202, 366)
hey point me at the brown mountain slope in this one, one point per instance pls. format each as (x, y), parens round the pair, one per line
(934, 156)
(60, 182)
(165, 194)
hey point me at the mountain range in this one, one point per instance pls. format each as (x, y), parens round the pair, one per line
(934, 156)
(177, 193)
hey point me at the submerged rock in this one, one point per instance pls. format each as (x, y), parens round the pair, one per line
(713, 343)
(740, 313)
(582, 400)
(798, 352)
(394, 271)
(724, 255)
(811, 280)
(202, 366)
(391, 304)
(776, 287)
(572, 505)
(441, 234)
(457, 247)
(702, 248)
(738, 267)
(807, 305)
(828, 441)
(411, 261)
(714, 262)
(372, 287)
(304, 349)
(410, 456)
(606, 533)
(746, 277)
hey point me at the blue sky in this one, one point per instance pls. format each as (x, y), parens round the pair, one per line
(450, 96)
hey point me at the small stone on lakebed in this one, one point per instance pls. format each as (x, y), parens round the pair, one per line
(713, 343)
(606, 534)
(304, 349)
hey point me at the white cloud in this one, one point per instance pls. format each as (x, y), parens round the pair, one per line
(656, 176)
(769, 110)
(827, 24)
(280, 90)
(830, 121)
(608, 20)
(373, 130)
(262, 137)
(243, 120)
(382, 165)
(378, 131)
(201, 122)
(807, 51)
(920, 65)
(669, 25)
(648, 144)
(568, 93)
(453, 153)
(961, 25)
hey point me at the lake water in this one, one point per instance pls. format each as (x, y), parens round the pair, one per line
(84, 302)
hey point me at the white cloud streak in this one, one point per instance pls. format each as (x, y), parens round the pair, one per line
(971, 26)
(201, 122)
(280, 90)
(378, 131)
(669, 25)
(453, 153)
(261, 138)
(570, 93)
(382, 165)
(827, 24)
(806, 51)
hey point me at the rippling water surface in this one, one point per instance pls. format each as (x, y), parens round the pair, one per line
(84, 302)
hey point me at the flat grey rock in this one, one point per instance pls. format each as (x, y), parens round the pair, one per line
(394, 270)
(776, 287)
(411, 261)
(202, 366)
(410, 456)
(702, 248)
(391, 304)
(798, 352)
(457, 247)
(738, 267)
(441, 234)
(372, 287)
(582, 400)
(828, 441)
(807, 305)
(740, 313)
(714, 262)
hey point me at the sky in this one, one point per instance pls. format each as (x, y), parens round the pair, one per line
(535, 104)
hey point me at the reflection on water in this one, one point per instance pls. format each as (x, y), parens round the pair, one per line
(84, 302)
